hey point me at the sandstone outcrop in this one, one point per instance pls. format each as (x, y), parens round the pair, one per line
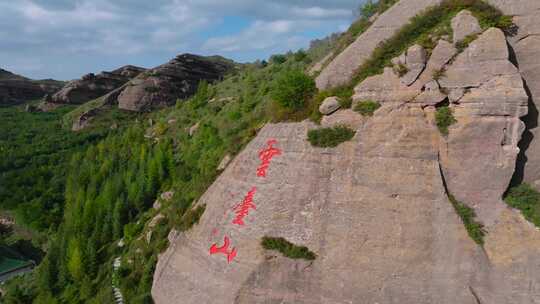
(415, 61)
(17, 89)
(375, 209)
(464, 24)
(177, 79)
(92, 86)
(526, 51)
(340, 70)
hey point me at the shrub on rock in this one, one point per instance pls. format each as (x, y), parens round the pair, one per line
(330, 137)
(367, 108)
(287, 248)
(293, 89)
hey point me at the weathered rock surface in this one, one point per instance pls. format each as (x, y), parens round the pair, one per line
(341, 69)
(333, 201)
(16, 89)
(526, 51)
(415, 61)
(177, 79)
(386, 87)
(329, 105)
(465, 24)
(375, 209)
(488, 114)
(92, 86)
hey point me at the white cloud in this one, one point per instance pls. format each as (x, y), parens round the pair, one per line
(103, 30)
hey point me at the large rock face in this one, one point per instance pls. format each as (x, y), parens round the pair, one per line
(342, 68)
(92, 86)
(375, 209)
(16, 89)
(177, 79)
(526, 51)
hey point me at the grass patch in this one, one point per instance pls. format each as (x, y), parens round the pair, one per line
(444, 119)
(330, 137)
(287, 248)
(526, 199)
(474, 229)
(367, 108)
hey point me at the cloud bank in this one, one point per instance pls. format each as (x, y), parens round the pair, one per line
(66, 38)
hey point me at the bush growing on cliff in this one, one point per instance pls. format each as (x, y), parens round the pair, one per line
(527, 200)
(293, 88)
(330, 137)
(367, 107)
(444, 119)
(287, 248)
(474, 229)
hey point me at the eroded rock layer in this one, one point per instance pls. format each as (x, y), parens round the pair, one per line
(92, 86)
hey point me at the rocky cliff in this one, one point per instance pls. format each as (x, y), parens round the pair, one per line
(92, 86)
(377, 210)
(165, 84)
(16, 89)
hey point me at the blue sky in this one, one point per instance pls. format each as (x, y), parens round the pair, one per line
(65, 39)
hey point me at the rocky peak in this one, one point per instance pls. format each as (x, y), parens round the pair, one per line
(92, 86)
(177, 79)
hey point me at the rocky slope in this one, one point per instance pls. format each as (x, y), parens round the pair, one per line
(16, 89)
(92, 86)
(376, 210)
(177, 79)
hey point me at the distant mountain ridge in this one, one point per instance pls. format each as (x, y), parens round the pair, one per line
(15, 89)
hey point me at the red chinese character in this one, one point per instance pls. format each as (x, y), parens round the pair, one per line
(242, 209)
(266, 156)
(231, 254)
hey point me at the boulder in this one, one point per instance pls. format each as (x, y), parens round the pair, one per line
(485, 57)
(92, 86)
(494, 99)
(386, 87)
(415, 61)
(440, 56)
(178, 79)
(345, 117)
(465, 24)
(167, 196)
(224, 162)
(329, 105)
(83, 120)
(193, 129)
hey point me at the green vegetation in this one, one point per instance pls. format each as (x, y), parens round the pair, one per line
(287, 248)
(526, 199)
(293, 89)
(444, 119)
(330, 137)
(367, 107)
(34, 152)
(474, 229)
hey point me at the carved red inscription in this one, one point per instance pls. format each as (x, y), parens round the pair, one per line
(242, 209)
(231, 254)
(266, 156)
